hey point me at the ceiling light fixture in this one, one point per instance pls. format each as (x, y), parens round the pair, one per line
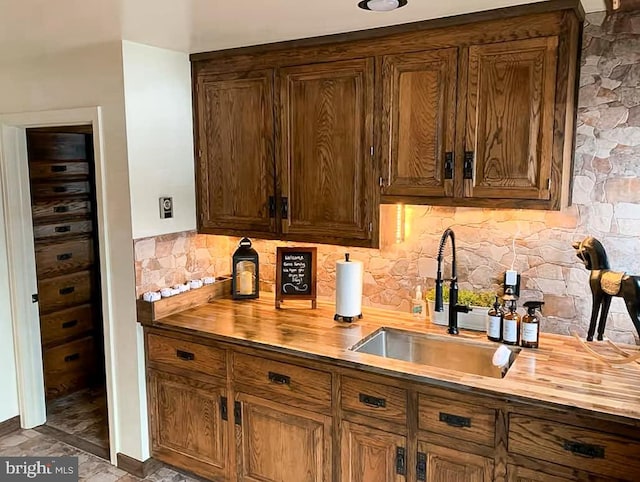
(381, 5)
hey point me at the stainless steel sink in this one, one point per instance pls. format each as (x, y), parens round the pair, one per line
(453, 353)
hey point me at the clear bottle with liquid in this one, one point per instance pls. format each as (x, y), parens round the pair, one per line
(511, 324)
(494, 324)
(531, 325)
(418, 305)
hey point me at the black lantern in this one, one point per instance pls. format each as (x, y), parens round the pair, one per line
(246, 272)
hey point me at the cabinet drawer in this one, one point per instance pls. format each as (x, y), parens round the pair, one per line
(61, 325)
(55, 209)
(57, 170)
(62, 229)
(69, 367)
(64, 291)
(576, 447)
(53, 259)
(186, 355)
(375, 399)
(456, 419)
(59, 189)
(282, 382)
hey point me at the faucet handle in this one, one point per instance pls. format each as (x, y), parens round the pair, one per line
(463, 308)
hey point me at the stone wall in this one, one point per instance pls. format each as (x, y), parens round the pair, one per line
(606, 204)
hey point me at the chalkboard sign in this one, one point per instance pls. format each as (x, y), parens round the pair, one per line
(296, 274)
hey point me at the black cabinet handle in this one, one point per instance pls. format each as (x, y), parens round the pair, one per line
(67, 291)
(585, 450)
(401, 466)
(279, 379)
(237, 413)
(421, 467)
(69, 324)
(468, 165)
(60, 209)
(455, 420)
(284, 207)
(185, 355)
(62, 229)
(272, 206)
(64, 256)
(70, 358)
(58, 168)
(60, 189)
(224, 411)
(448, 165)
(372, 401)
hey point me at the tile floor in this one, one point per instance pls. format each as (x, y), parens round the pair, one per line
(91, 468)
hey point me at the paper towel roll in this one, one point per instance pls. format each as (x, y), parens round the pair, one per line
(348, 288)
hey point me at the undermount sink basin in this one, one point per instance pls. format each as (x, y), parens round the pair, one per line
(458, 354)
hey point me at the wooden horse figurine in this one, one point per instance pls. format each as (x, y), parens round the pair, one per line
(605, 284)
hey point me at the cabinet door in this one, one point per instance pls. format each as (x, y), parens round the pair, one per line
(187, 426)
(439, 464)
(418, 123)
(521, 474)
(235, 162)
(277, 443)
(510, 110)
(369, 455)
(326, 163)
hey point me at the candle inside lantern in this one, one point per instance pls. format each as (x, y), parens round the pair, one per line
(246, 283)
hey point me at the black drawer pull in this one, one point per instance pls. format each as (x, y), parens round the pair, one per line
(70, 358)
(61, 209)
(455, 420)
(62, 229)
(67, 291)
(58, 168)
(69, 324)
(585, 450)
(60, 189)
(185, 355)
(64, 256)
(372, 401)
(279, 379)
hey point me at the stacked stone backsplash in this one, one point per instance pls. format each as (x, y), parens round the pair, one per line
(606, 204)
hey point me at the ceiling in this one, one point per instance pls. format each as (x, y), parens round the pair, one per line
(39, 27)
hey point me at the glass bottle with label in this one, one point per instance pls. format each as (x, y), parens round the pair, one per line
(494, 324)
(511, 324)
(531, 325)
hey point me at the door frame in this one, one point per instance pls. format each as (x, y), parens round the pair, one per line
(14, 181)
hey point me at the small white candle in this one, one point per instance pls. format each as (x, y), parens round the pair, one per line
(246, 283)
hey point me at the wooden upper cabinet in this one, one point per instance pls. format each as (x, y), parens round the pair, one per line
(326, 167)
(418, 123)
(235, 162)
(510, 119)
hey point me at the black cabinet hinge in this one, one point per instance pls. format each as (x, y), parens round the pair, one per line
(237, 412)
(224, 411)
(449, 160)
(468, 165)
(401, 466)
(34, 298)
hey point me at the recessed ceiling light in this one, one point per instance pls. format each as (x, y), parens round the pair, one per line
(381, 5)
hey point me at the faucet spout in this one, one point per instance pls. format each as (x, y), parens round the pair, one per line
(454, 307)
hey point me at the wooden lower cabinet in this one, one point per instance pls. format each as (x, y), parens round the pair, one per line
(440, 464)
(370, 455)
(187, 424)
(278, 443)
(522, 474)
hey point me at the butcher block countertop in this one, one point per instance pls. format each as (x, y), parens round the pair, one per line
(559, 373)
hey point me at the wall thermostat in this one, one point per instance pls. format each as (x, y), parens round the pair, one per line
(166, 207)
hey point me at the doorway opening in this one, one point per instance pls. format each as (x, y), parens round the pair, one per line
(65, 230)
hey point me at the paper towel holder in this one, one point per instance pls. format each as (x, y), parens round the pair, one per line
(340, 317)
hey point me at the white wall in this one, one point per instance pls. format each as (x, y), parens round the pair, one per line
(92, 76)
(8, 385)
(157, 93)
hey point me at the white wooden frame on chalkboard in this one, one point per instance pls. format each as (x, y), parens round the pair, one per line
(283, 258)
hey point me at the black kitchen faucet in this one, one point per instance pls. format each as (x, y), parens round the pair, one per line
(454, 307)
